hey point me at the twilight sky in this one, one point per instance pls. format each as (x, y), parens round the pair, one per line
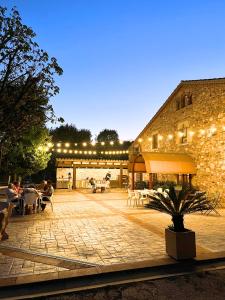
(123, 58)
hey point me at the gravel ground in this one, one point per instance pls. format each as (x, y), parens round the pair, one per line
(206, 285)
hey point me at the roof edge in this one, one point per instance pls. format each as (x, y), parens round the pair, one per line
(182, 82)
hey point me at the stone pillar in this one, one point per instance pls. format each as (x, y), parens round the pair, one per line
(150, 181)
(132, 180)
(178, 179)
(121, 175)
(74, 177)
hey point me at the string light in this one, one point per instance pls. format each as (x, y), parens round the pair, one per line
(93, 143)
(160, 137)
(212, 130)
(121, 142)
(50, 145)
(180, 134)
(170, 137)
(102, 143)
(67, 144)
(84, 144)
(150, 139)
(140, 140)
(111, 143)
(58, 144)
(59, 150)
(202, 131)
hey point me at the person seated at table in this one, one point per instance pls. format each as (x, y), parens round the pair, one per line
(93, 184)
(17, 187)
(108, 176)
(47, 193)
(11, 194)
(42, 186)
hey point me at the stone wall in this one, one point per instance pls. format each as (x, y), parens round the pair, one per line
(205, 120)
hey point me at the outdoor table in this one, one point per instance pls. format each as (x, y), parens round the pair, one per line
(101, 186)
(146, 192)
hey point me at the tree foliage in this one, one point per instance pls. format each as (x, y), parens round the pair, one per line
(108, 135)
(26, 78)
(27, 81)
(69, 133)
(28, 155)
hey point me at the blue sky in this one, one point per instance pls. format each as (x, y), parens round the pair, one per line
(122, 58)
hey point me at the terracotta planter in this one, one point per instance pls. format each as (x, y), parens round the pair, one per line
(180, 245)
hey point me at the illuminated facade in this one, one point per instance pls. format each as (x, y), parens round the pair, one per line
(77, 162)
(191, 122)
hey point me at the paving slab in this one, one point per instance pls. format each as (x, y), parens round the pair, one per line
(97, 228)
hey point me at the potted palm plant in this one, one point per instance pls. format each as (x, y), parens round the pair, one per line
(180, 242)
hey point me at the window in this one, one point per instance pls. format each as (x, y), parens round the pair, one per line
(183, 101)
(136, 150)
(188, 99)
(183, 134)
(155, 141)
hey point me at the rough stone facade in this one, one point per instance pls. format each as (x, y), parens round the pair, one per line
(192, 121)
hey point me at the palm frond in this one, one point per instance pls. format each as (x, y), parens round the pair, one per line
(184, 202)
(161, 202)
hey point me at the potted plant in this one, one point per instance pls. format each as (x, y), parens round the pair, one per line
(180, 242)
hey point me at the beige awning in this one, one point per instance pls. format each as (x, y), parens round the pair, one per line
(168, 163)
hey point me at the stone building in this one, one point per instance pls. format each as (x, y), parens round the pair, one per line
(185, 140)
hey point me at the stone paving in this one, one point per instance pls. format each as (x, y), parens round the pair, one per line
(95, 228)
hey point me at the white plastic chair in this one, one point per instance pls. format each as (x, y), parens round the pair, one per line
(30, 199)
(143, 197)
(131, 197)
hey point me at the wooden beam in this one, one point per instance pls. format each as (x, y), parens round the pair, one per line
(74, 177)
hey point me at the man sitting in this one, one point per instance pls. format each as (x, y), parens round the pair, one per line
(93, 185)
(47, 193)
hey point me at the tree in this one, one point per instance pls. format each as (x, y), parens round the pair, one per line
(27, 80)
(69, 133)
(108, 135)
(29, 154)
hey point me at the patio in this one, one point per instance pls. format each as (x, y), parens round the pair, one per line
(96, 229)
